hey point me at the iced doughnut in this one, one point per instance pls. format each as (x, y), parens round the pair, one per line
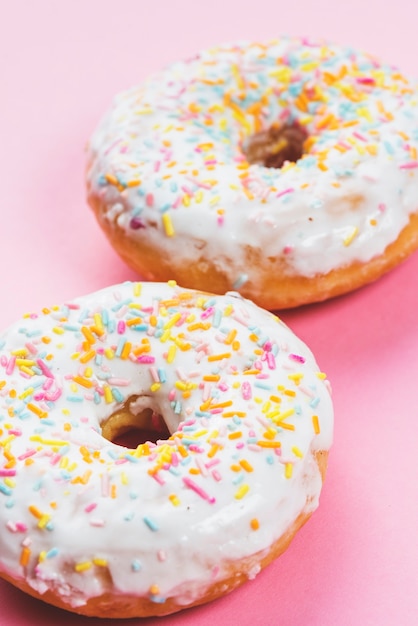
(286, 171)
(239, 423)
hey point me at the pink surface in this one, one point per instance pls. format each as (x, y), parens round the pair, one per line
(356, 561)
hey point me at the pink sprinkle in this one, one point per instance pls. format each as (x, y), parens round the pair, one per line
(382, 207)
(284, 192)
(145, 358)
(197, 489)
(161, 555)
(149, 199)
(90, 507)
(209, 311)
(154, 374)
(7, 472)
(359, 136)
(271, 361)
(97, 522)
(365, 80)
(157, 166)
(121, 327)
(118, 382)
(11, 365)
(15, 432)
(297, 357)
(31, 347)
(44, 369)
(53, 397)
(246, 390)
(21, 527)
(158, 478)
(177, 203)
(287, 249)
(409, 166)
(27, 454)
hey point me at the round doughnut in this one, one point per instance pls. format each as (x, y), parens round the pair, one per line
(286, 171)
(105, 524)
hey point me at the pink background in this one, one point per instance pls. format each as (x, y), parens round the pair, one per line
(356, 561)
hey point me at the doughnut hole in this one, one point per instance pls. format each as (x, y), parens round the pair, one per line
(137, 422)
(276, 145)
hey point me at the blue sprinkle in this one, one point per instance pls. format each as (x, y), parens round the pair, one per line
(162, 375)
(152, 525)
(240, 281)
(51, 553)
(117, 394)
(261, 385)
(314, 402)
(6, 490)
(217, 318)
(120, 346)
(136, 565)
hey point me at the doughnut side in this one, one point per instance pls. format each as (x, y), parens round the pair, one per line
(115, 605)
(274, 287)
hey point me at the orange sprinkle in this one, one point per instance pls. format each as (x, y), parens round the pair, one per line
(235, 435)
(25, 556)
(88, 334)
(246, 465)
(269, 444)
(315, 423)
(219, 357)
(255, 524)
(87, 356)
(84, 382)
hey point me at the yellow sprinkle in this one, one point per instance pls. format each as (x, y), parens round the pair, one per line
(100, 562)
(171, 353)
(109, 353)
(174, 499)
(82, 567)
(155, 387)
(27, 362)
(242, 491)
(26, 393)
(288, 470)
(58, 330)
(297, 452)
(168, 225)
(44, 521)
(107, 394)
(350, 238)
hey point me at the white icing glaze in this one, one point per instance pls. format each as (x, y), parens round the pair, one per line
(181, 134)
(80, 514)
